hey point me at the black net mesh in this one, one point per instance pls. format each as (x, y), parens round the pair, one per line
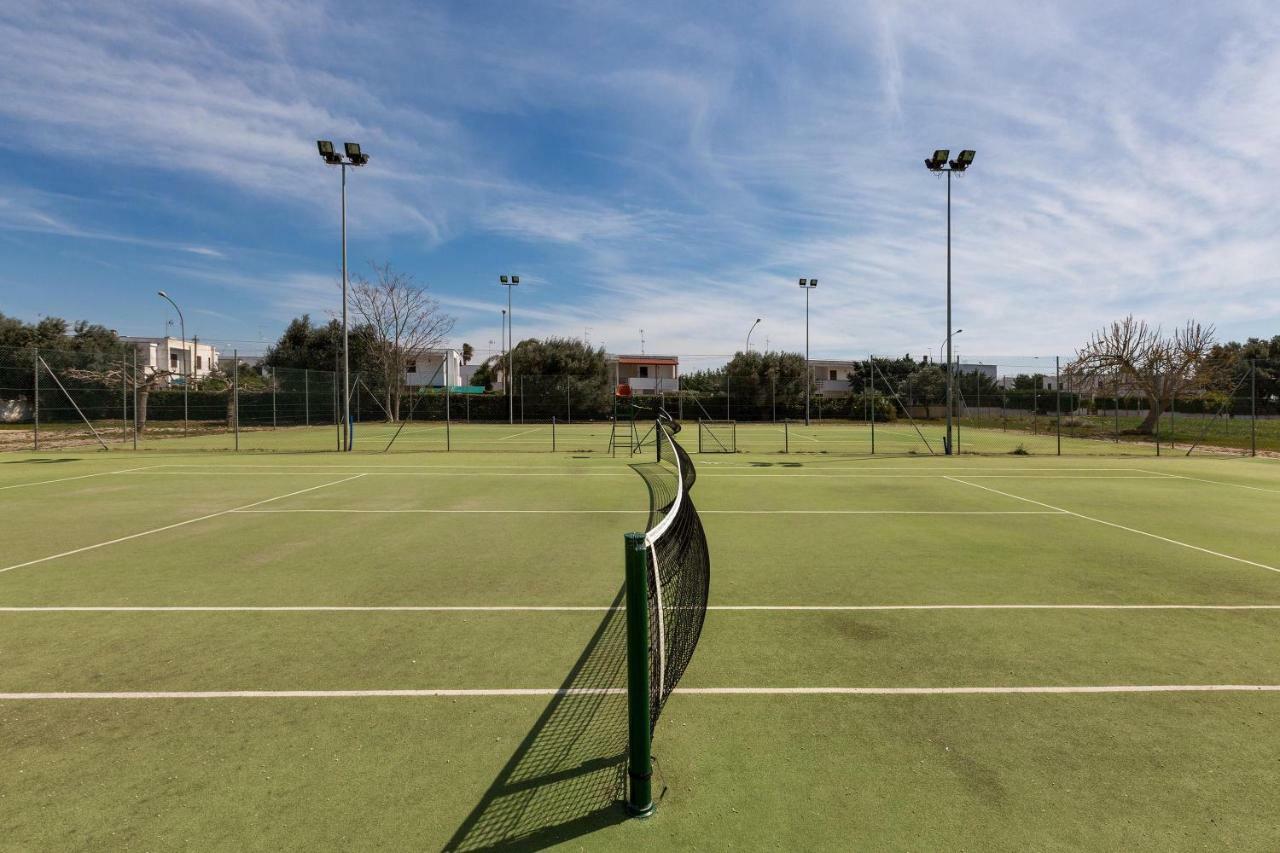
(679, 566)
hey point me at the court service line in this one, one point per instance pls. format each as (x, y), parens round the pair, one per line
(602, 608)
(1120, 526)
(172, 526)
(79, 477)
(518, 434)
(1216, 482)
(621, 691)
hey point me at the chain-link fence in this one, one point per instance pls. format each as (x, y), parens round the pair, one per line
(58, 398)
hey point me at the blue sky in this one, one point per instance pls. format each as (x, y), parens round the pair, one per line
(666, 166)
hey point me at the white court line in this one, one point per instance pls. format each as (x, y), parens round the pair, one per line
(621, 691)
(80, 477)
(1216, 482)
(340, 510)
(1120, 526)
(603, 608)
(172, 526)
(518, 434)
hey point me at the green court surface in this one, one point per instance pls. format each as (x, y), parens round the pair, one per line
(423, 650)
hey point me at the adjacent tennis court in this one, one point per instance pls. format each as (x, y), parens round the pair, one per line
(280, 650)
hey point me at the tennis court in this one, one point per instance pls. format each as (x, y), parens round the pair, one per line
(288, 650)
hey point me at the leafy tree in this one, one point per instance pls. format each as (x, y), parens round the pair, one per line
(552, 367)
(468, 353)
(1028, 382)
(926, 386)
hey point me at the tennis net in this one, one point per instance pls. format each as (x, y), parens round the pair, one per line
(679, 566)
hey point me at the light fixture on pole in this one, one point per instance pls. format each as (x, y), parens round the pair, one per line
(938, 164)
(186, 378)
(808, 284)
(943, 342)
(749, 331)
(510, 281)
(354, 157)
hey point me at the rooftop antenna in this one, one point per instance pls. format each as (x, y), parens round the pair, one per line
(642, 341)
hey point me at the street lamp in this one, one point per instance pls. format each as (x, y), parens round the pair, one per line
(808, 284)
(944, 341)
(510, 281)
(749, 331)
(185, 360)
(937, 164)
(355, 157)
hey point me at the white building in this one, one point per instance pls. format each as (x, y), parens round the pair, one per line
(172, 355)
(831, 376)
(645, 374)
(433, 368)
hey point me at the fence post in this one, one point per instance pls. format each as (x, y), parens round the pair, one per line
(553, 433)
(1253, 407)
(1057, 390)
(522, 401)
(273, 398)
(786, 437)
(235, 395)
(568, 402)
(35, 399)
(135, 398)
(124, 400)
(871, 401)
(1173, 411)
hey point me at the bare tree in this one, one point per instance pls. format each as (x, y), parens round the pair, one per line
(400, 322)
(1159, 367)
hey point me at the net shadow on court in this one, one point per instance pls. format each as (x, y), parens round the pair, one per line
(567, 778)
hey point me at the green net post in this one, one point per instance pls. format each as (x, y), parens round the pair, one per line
(640, 732)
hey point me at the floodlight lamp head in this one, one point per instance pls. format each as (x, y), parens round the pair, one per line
(813, 282)
(804, 282)
(325, 147)
(162, 294)
(502, 279)
(515, 279)
(938, 160)
(354, 154)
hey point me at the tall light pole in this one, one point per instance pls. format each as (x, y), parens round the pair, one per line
(749, 331)
(510, 281)
(808, 284)
(186, 379)
(938, 163)
(355, 157)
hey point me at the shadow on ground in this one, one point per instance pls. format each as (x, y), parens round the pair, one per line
(568, 776)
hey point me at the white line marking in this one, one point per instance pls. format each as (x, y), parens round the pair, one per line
(1120, 526)
(1216, 482)
(621, 691)
(172, 526)
(80, 477)
(518, 434)
(572, 608)
(642, 511)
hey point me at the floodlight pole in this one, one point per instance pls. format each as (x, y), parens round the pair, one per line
(346, 351)
(808, 284)
(509, 282)
(354, 157)
(182, 324)
(939, 163)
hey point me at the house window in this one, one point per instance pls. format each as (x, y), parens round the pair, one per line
(411, 366)
(644, 371)
(199, 362)
(173, 361)
(831, 374)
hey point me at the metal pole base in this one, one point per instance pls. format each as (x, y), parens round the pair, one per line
(641, 811)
